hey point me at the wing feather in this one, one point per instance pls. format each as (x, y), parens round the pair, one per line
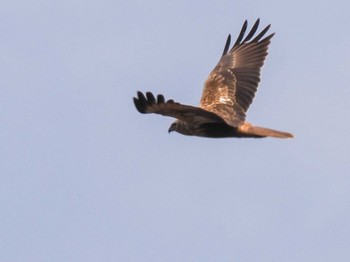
(227, 45)
(231, 86)
(194, 115)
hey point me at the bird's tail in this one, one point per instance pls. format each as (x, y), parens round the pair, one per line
(263, 132)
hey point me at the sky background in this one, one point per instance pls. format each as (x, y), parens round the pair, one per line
(85, 177)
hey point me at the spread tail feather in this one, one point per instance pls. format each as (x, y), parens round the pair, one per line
(263, 132)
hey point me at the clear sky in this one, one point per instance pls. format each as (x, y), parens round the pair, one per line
(85, 177)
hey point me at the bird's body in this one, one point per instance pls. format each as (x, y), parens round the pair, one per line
(227, 94)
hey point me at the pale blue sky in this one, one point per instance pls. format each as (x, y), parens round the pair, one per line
(85, 177)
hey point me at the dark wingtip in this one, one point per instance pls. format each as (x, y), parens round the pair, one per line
(160, 99)
(241, 34)
(143, 101)
(151, 99)
(227, 45)
(140, 102)
(251, 33)
(262, 33)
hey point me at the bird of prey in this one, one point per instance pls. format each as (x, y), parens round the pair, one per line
(228, 92)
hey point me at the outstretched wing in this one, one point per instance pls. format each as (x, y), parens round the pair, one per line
(190, 114)
(231, 86)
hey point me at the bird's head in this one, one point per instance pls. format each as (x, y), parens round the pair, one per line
(173, 127)
(180, 127)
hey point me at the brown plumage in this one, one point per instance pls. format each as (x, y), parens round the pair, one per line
(227, 94)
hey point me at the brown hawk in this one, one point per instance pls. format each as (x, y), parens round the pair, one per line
(227, 94)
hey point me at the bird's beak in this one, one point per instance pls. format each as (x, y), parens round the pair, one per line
(171, 129)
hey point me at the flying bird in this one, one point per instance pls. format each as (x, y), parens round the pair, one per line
(228, 92)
